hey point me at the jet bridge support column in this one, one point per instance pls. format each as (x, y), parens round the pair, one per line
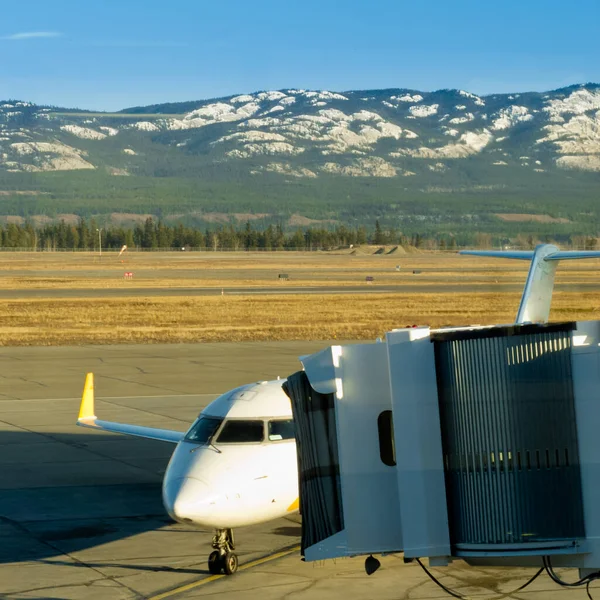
(420, 469)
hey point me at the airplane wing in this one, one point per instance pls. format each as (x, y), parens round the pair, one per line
(87, 418)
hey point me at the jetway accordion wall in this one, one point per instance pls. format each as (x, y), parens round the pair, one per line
(509, 436)
(479, 443)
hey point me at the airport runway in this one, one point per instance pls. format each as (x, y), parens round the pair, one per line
(433, 287)
(80, 511)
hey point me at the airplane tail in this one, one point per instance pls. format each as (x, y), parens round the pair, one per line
(537, 293)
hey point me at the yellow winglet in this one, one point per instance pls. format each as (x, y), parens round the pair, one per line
(86, 410)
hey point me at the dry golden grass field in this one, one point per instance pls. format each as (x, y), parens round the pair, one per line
(257, 305)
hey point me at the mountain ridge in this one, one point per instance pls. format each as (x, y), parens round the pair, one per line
(411, 158)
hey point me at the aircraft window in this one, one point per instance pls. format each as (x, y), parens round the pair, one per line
(203, 429)
(281, 430)
(239, 432)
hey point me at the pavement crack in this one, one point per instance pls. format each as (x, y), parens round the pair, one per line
(154, 387)
(58, 587)
(309, 585)
(27, 380)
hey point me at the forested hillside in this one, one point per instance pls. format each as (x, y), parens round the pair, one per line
(446, 162)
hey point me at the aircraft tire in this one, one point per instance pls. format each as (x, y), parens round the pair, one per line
(215, 563)
(230, 563)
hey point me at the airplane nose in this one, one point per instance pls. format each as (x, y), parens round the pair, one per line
(187, 499)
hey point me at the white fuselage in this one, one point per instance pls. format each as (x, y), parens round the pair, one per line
(226, 473)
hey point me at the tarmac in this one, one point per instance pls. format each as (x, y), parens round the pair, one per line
(81, 513)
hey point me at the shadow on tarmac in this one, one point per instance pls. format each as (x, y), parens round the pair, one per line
(61, 493)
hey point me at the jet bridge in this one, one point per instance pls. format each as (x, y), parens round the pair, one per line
(479, 443)
(475, 442)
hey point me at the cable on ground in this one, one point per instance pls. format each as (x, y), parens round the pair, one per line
(463, 597)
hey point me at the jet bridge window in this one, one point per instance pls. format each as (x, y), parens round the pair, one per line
(387, 449)
(240, 432)
(281, 430)
(203, 429)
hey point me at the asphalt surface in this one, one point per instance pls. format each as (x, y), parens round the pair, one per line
(80, 511)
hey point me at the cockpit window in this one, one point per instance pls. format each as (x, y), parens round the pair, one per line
(281, 430)
(203, 429)
(239, 432)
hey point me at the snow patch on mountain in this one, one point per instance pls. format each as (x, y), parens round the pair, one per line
(476, 99)
(464, 119)
(365, 115)
(578, 135)
(323, 95)
(408, 98)
(48, 156)
(437, 167)
(144, 126)
(468, 144)
(243, 98)
(334, 129)
(84, 133)
(362, 167)
(577, 103)
(450, 131)
(585, 163)
(270, 96)
(111, 131)
(253, 136)
(508, 117)
(267, 148)
(423, 111)
(219, 112)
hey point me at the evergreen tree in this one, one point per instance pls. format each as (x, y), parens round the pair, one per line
(378, 235)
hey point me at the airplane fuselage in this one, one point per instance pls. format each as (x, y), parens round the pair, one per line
(237, 464)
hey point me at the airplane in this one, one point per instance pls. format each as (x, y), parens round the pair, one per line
(237, 466)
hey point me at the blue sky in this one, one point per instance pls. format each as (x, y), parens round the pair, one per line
(112, 54)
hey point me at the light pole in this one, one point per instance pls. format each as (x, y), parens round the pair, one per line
(100, 240)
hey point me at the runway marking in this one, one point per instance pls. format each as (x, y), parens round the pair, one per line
(254, 563)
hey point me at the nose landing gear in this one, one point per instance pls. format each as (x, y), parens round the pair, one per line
(223, 558)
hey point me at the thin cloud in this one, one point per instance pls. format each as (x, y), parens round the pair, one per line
(28, 35)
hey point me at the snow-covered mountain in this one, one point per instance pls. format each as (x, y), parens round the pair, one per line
(433, 142)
